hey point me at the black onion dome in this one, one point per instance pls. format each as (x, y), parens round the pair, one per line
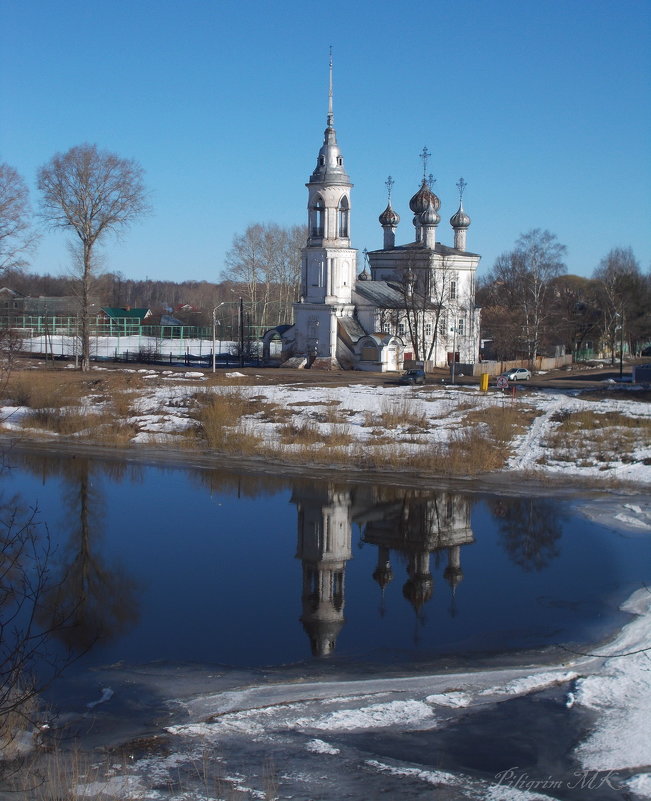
(421, 200)
(389, 217)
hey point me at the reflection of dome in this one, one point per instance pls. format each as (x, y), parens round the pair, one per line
(323, 635)
(460, 219)
(383, 574)
(421, 200)
(389, 217)
(418, 590)
(453, 575)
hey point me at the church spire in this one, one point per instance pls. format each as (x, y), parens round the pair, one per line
(330, 163)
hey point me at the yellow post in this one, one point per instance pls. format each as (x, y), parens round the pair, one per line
(483, 383)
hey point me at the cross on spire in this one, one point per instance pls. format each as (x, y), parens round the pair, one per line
(431, 180)
(424, 155)
(330, 112)
(461, 185)
(389, 185)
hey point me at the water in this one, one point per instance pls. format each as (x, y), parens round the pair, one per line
(211, 567)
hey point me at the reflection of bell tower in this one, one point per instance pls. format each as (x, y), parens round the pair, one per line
(324, 547)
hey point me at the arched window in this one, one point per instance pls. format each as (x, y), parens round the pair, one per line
(343, 210)
(317, 217)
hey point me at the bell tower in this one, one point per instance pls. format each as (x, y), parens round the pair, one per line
(329, 265)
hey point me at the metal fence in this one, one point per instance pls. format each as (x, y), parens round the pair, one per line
(120, 339)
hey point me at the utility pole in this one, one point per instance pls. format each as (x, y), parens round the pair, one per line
(241, 321)
(214, 323)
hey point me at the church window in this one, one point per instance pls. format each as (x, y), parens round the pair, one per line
(317, 217)
(453, 290)
(340, 161)
(342, 216)
(428, 329)
(402, 330)
(461, 327)
(322, 161)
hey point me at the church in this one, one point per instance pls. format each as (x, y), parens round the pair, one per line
(412, 303)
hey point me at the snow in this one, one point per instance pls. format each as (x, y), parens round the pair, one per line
(621, 693)
(640, 785)
(615, 682)
(107, 694)
(395, 713)
(321, 747)
(232, 731)
(164, 407)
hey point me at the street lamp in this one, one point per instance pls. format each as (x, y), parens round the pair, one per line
(214, 311)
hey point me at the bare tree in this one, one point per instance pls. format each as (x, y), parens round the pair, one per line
(265, 261)
(623, 294)
(576, 315)
(521, 280)
(16, 235)
(427, 297)
(91, 193)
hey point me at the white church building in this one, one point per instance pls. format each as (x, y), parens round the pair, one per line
(410, 303)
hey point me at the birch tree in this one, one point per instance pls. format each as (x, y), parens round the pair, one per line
(16, 235)
(521, 281)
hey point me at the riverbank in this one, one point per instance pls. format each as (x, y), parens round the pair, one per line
(356, 425)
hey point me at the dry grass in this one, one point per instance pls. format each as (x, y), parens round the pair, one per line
(502, 422)
(44, 389)
(592, 438)
(63, 421)
(221, 423)
(303, 433)
(398, 413)
(74, 775)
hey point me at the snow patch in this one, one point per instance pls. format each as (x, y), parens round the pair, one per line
(529, 684)
(122, 787)
(621, 694)
(321, 747)
(394, 713)
(453, 699)
(640, 785)
(107, 694)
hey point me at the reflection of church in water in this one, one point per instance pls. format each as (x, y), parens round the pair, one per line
(411, 525)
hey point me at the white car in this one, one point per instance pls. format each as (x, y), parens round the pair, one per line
(517, 374)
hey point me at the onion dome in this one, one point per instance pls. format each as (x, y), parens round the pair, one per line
(364, 275)
(420, 201)
(429, 216)
(460, 219)
(389, 217)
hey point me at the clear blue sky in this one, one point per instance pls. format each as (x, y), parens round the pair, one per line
(543, 107)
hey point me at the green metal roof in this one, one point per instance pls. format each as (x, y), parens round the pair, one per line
(134, 314)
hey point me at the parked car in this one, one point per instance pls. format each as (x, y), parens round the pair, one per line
(517, 374)
(413, 376)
